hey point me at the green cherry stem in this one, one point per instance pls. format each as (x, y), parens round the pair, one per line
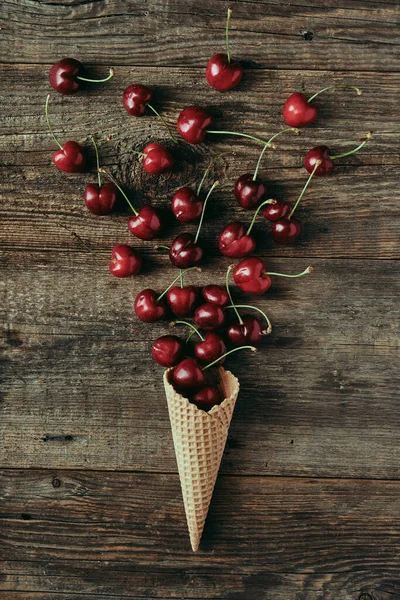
(203, 211)
(135, 212)
(228, 18)
(97, 159)
(268, 145)
(363, 143)
(111, 74)
(214, 362)
(164, 122)
(318, 162)
(331, 87)
(245, 135)
(194, 329)
(228, 272)
(269, 201)
(48, 122)
(176, 279)
(269, 328)
(305, 272)
(180, 278)
(206, 172)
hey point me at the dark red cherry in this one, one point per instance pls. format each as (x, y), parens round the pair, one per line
(182, 300)
(146, 225)
(187, 376)
(277, 211)
(215, 294)
(167, 350)
(125, 261)
(158, 159)
(70, 158)
(209, 316)
(320, 153)
(250, 275)
(184, 251)
(186, 205)
(207, 397)
(193, 123)
(211, 348)
(234, 242)
(135, 99)
(240, 334)
(63, 76)
(100, 200)
(249, 193)
(298, 112)
(223, 75)
(286, 231)
(148, 308)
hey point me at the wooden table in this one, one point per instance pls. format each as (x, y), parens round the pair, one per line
(307, 503)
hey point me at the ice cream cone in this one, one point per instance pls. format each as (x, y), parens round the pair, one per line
(199, 440)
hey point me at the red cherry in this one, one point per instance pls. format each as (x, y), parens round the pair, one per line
(125, 261)
(70, 158)
(234, 242)
(184, 251)
(187, 376)
(63, 76)
(319, 153)
(298, 112)
(146, 225)
(186, 205)
(148, 307)
(167, 350)
(193, 123)
(286, 231)
(100, 200)
(209, 349)
(249, 193)
(249, 331)
(215, 294)
(182, 300)
(207, 397)
(157, 159)
(135, 99)
(250, 275)
(223, 75)
(209, 316)
(277, 211)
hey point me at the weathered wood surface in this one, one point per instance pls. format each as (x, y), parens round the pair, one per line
(307, 504)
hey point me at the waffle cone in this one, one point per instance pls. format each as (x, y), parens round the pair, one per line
(199, 440)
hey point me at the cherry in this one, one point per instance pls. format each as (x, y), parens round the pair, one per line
(299, 112)
(71, 157)
(221, 73)
(286, 231)
(210, 348)
(66, 76)
(322, 155)
(207, 397)
(251, 276)
(248, 331)
(186, 205)
(167, 350)
(182, 300)
(136, 98)
(157, 159)
(125, 261)
(215, 294)
(209, 316)
(187, 376)
(100, 199)
(277, 211)
(149, 307)
(234, 242)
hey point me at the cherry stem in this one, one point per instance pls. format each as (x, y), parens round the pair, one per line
(228, 18)
(48, 122)
(203, 211)
(369, 136)
(97, 159)
(268, 145)
(217, 360)
(269, 329)
(135, 212)
(194, 329)
(228, 272)
(176, 279)
(164, 122)
(270, 201)
(331, 87)
(318, 162)
(158, 247)
(245, 135)
(206, 172)
(305, 272)
(111, 74)
(181, 278)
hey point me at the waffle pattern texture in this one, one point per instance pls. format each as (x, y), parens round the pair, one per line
(199, 441)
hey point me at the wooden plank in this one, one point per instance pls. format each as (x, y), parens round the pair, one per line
(263, 34)
(319, 398)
